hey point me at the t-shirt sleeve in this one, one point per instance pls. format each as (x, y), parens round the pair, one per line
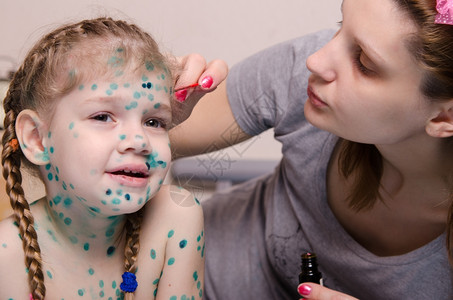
(262, 89)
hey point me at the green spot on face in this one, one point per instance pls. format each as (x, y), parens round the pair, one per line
(195, 276)
(80, 292)
(101, 283)
(109, 92)
(86, 246)
(95, 209)
(57, 200)
(81, 87)
(122, 137)
(90, 271)
(115, 61)
(144, 78)
(49, 274)
(94, 87)
(132, 105)
(157, 105)
(153, 254)
(116, 201)
(4, 245)
(114, 284)
(126, 85)
(67, 202)
(149, 66)
(150, 97)
(171, 233)
(137, 95)
(67, 221)
(171, 261)
(50, 176)
(114, 86)
(71, 125)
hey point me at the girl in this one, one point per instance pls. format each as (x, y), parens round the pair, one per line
(89, 111)
(369, 189)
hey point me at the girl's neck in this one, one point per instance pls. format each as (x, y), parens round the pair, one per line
(79, 228)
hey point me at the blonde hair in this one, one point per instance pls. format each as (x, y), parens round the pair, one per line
(36, 85)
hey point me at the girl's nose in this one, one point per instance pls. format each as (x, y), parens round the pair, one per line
(134, 142)
(322, 62)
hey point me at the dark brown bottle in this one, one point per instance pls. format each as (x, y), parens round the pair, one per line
(309, 269)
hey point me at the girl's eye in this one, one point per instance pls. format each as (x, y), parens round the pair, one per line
(154, 123)
(103, 118)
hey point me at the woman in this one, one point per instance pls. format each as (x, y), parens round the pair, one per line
(365, 178)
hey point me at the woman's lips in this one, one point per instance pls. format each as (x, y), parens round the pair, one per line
(314, 99)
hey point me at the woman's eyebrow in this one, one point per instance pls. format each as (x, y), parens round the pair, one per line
(370, 51)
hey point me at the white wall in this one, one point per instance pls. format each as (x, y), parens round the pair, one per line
(228, 29)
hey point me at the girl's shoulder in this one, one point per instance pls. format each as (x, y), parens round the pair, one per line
(176, 201)
(11, 259)
(173, 207)
(10, 238)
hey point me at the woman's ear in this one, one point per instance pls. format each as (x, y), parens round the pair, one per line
(442, 124)
(30, 133)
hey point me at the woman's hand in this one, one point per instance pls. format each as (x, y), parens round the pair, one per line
(317, 292)
(193, 69)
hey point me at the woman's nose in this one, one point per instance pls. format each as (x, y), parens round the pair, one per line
(322, 62)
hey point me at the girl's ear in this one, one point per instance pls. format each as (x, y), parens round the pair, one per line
(30, 133)
(442, 124)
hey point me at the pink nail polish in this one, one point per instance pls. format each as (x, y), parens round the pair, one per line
(304, 290)
(181, 95)
(207, 82)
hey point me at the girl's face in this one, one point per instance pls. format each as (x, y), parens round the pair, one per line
(107, 143)
(364, 85)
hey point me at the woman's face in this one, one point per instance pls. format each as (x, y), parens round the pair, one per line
(364, 85)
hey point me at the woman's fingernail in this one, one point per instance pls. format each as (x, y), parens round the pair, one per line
(181, 95)
(304, 290)
(207, 82)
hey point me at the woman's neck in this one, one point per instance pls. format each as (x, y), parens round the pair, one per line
(419, 162)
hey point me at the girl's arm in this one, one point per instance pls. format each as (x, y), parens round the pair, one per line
(183, 268)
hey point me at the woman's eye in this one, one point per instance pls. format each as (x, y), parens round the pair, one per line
(103, 118)
(358, 63)
(154, 123)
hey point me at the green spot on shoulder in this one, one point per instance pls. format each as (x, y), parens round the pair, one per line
(171, 233)
(171, 261)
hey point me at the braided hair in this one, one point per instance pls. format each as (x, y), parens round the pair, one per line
(36, 85)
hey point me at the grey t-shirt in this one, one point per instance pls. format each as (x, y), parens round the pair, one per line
(256, 233)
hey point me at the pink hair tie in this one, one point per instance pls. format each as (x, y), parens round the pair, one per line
(31, 297)
(445, 12)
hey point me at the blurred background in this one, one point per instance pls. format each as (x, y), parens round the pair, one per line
(229, 29)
